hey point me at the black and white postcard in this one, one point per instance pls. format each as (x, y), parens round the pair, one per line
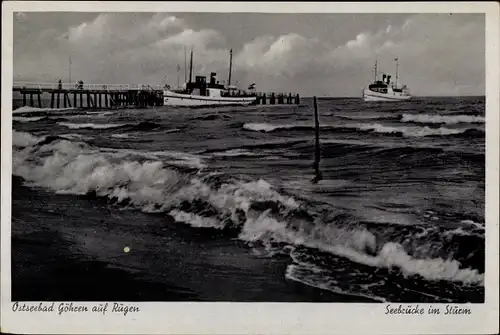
(247, 168)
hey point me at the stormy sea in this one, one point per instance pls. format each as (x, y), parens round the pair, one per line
(218, 204)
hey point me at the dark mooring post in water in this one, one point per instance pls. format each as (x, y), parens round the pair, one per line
(317, 156)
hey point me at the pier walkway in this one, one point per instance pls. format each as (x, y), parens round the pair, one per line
(79, 95)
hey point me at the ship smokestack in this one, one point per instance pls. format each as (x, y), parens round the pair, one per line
(383, 78)
(191, 67)
(388, 79)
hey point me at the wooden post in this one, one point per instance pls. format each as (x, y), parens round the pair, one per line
(81, 100)
(88, 100)
(74, 99)
(95, 99)
(100, 100)
(31, 100)
(24, 99)
(58, 99)
(66, 96)
(64, 99)
(39, 99)
(106, 99)
(317, 173)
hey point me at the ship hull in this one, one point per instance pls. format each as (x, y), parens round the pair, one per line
(177, 99)
(369, 95)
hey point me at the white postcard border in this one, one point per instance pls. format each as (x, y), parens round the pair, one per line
(269, 318)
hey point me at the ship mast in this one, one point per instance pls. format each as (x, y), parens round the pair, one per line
(375, 71)
(191, 67)
(185, 65)
(397, 68)
(230, 67)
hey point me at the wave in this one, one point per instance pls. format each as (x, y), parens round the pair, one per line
(27, 119)
(258, 211)
(440, 119)
(236, 153)
(90, 125)
(26, 109)
(266, 127)
(413, 131)
(368, 117)
(22, 139)
(141, 126)
(410, 131)
(120, 135)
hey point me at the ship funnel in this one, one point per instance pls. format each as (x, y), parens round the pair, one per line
(383, 78)
(388, 79)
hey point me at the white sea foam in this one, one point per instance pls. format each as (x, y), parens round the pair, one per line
(410, 131)
(26, 109)
(101, 113)
(173, 130)
(265, 127)
(407, 131)
(315, 277)
(448, 119)
(474, 224)
(27, 119)
(90, 125)
(354, 244)
(23, 139)
(120, 135)
(235, 153)
(195, 220)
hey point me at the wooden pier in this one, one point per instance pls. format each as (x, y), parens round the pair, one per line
(89, 96)
(99, 96)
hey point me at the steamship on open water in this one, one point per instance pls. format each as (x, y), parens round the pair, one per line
(212, 93)
(385, 89)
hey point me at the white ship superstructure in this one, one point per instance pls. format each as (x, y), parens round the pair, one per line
(211, 93)
(385, 89)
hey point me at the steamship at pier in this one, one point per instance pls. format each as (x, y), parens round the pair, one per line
(385, 89)
(212, 93)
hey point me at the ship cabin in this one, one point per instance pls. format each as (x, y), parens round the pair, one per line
(213, 88)
(203, 88)
(381, 86)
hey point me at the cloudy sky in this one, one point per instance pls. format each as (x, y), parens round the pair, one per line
(313, 54)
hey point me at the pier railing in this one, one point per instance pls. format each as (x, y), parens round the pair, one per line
(22, 85)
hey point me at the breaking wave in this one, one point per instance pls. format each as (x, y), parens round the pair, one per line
(253, 209)
(439, 119)
(141, 126)
(413, 131)
(89, 125)
(26, 109)
(27, 119)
